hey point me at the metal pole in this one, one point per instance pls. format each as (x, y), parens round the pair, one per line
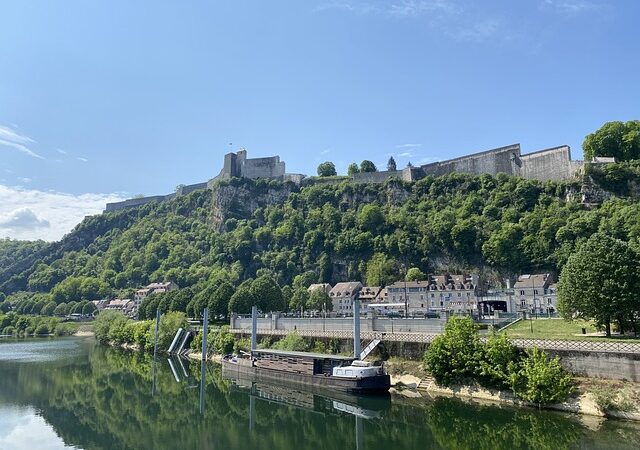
(205, 332)
(254, 328)
(356, 328)
(155, 344)
(203, 376)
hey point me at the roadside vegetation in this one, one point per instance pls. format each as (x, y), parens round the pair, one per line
(458, 357)
(13, 324)
(111, 327)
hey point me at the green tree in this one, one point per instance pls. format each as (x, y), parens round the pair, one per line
(219, 302)
(327, 169)
(267, 294)
(540, 380)
(600, 281)
(367, 166)
(299, 299)
(391, 165)
(88, 308)
(371, 218)
(618, 139)
(242, 300)
(49, 309)
(415, 274)
(319, 300)
(353, 169)
(61, 310)
(455, 356)
(381, 270)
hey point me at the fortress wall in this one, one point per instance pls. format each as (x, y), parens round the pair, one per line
(376, 177)
(501, 159)
(133, 202)
(263, 168)
(549, 164)
(184, 190)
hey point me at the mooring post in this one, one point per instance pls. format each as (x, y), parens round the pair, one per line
(203, 376)
(205, 331)
(356, 328)
(254, 328)
(155, 344)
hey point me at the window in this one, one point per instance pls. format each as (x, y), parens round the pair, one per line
(433, 295)
(459, 294)
(433, 303)
(521, 292)
(421, 305)
(548, 301)
(535, 291)
(468, 294)
(523, 303)
(421, 297)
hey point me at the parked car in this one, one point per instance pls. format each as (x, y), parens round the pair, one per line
(431, 315)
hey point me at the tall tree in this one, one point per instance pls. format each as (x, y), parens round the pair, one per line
(268, 294)
(353, 169)
(319, 300)
(327, 169)
(600, 281)
(415, 274)
(242, 300)
(367, 166)
(618, 139)
(391, 165)
(219, 301)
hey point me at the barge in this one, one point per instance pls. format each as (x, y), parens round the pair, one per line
(343, 373)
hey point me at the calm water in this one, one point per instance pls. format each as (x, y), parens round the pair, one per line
(70, 394)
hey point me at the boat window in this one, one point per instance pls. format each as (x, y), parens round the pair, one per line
(349, 373)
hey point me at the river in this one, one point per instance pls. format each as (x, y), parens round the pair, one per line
(69, 393)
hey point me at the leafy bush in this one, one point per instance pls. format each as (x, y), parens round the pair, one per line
(103, 324)
(292, 342)
(497, 355)
(42, 329)
(455, 356)
(9, 330)
(224, 341)
(539, 379)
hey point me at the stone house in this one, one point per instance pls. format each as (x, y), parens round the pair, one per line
(125, 306)
(343, 294)
(368, 295)
(535, 293)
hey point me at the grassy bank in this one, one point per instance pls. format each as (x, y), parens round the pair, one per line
(560, 329)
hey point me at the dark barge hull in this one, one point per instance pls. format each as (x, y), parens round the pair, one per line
(370, 385)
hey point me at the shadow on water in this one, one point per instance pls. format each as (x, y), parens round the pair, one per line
(97, 398)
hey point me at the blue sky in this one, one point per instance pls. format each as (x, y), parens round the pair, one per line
(101, 100)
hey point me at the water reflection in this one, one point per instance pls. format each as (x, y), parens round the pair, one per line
(96, 398)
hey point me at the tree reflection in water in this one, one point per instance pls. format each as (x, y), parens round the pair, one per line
(107, 399)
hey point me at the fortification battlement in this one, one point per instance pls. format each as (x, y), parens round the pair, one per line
(553, 163)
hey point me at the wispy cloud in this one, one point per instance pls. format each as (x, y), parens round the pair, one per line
(33, 214)
(80, 158)
(408, 145)
(350, 6)
(406, 154)
(453, 18)
(11, 138)
(571, 6)
(62, 152)
(414, 8)
(428, 160)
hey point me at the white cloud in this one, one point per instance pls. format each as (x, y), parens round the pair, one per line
(62, 152)
(353, 7)
(13, 139)
(25, 213)
(406, 154)
(23, 219)
(79, 158)
(571, 6)
(23, 428)
(413, 8)
(408, 145)
(428, 160)
(25, 179)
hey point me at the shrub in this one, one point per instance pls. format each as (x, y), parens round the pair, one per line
(292, 342)
(169, 324)
(103, 324)
(224, 341)
(64, 329)
(455, 356)
(494, 366)
(243, 344)
(539, 379)
(42, 329)
(9, 330)
(608, 399)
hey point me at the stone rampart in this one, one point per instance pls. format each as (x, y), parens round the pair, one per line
(549, 164)
(503, 159)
